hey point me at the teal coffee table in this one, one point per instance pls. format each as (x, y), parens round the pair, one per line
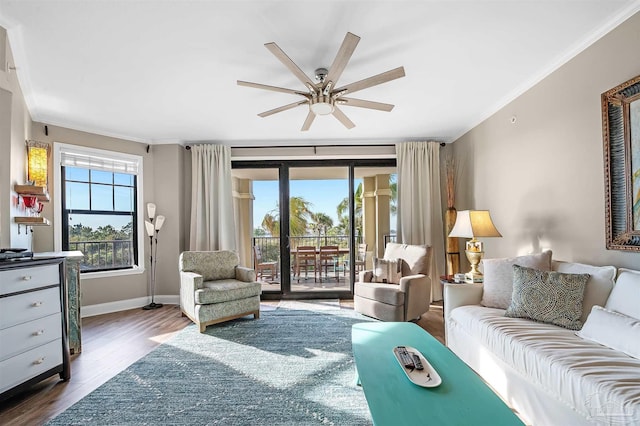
(461, 399)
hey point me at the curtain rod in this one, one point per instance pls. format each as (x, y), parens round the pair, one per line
(188, 147)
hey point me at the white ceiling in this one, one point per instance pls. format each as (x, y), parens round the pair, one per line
(166, 71)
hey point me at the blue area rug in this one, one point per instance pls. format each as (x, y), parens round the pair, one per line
(290, 367)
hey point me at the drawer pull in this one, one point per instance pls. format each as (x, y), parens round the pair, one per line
(26, 278)
(38, 333)
(36, 304)
(38, 361)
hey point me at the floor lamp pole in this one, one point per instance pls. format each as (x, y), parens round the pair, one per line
(153, 231)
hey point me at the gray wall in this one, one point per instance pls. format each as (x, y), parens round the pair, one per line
(15, 123)
(162, 184)
(542, 177)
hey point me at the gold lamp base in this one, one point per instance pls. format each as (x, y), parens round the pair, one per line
(474, 256)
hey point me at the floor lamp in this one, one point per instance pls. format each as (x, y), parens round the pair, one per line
(153, 229)
(473, 224)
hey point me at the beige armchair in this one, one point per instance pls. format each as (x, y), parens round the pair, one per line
(405, 301)
(213, 288)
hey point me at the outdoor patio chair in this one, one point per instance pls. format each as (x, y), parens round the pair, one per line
(306, 260)
(360, 262)
(328, 259)
(264, 269)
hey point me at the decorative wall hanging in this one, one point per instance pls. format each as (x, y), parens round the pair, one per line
(621, 135)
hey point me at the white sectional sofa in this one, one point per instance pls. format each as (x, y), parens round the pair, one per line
(549, 374)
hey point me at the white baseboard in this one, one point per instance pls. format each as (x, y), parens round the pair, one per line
(123, 305)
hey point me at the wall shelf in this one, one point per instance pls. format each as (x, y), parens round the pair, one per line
(40, 192)
(32, 220)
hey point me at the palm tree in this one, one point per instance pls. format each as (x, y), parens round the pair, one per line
(271, 223)
(299, 216)
(343, 208)
(321, 223)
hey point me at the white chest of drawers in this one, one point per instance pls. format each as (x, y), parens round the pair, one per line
(33, 327)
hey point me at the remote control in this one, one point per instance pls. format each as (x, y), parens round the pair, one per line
(417, 362)
(404, 357)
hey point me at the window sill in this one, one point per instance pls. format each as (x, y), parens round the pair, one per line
(136, 270)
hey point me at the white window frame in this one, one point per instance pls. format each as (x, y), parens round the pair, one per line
(58, 148)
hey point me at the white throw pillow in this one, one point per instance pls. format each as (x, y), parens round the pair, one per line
(624, 296)
(387, 271)
(614, 330)
(498, 276)
(598, 287)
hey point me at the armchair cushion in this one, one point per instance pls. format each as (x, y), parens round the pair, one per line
(212, 265)
(384, 293)
(225, 290)
(416, 258)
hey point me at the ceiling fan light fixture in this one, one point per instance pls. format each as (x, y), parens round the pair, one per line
(322, 96)
(322, 105)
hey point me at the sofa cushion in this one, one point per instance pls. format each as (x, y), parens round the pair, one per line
(614, 330)
(225, 290)
(598, 287)
(385, 293)
(498, 276)
(417, 259)
(600, 383)
(551, 297)
(387, 270)
(624, 296)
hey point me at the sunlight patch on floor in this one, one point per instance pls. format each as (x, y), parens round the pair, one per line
(310, 305)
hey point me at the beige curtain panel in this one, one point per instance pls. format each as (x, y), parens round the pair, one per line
(212, 218)
(419, 203)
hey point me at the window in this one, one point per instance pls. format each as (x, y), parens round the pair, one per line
(100, 204)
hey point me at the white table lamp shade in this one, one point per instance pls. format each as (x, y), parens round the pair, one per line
(474, 223)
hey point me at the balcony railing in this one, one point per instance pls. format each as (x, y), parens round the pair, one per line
(389, 239)
(105, 254)
(270, 246)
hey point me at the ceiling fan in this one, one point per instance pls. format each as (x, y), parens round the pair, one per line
(322, 96)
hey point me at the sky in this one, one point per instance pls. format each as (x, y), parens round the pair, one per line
(102, 197)
(324, 195)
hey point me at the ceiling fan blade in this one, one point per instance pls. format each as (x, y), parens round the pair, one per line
(307, 122)
(342, 58)
(273, 88)
(279, 53)
(372, 81)
(365, 104)
(282, 108)
(337, 113)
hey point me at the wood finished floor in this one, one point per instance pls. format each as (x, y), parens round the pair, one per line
(112, 342)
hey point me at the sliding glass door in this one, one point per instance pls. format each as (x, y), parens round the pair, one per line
(313, 224)
(319, 223)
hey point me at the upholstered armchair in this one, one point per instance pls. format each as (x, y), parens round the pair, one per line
(214, 288)
(403, 301)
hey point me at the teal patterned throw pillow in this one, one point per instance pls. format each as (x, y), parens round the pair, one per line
(547, 296)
